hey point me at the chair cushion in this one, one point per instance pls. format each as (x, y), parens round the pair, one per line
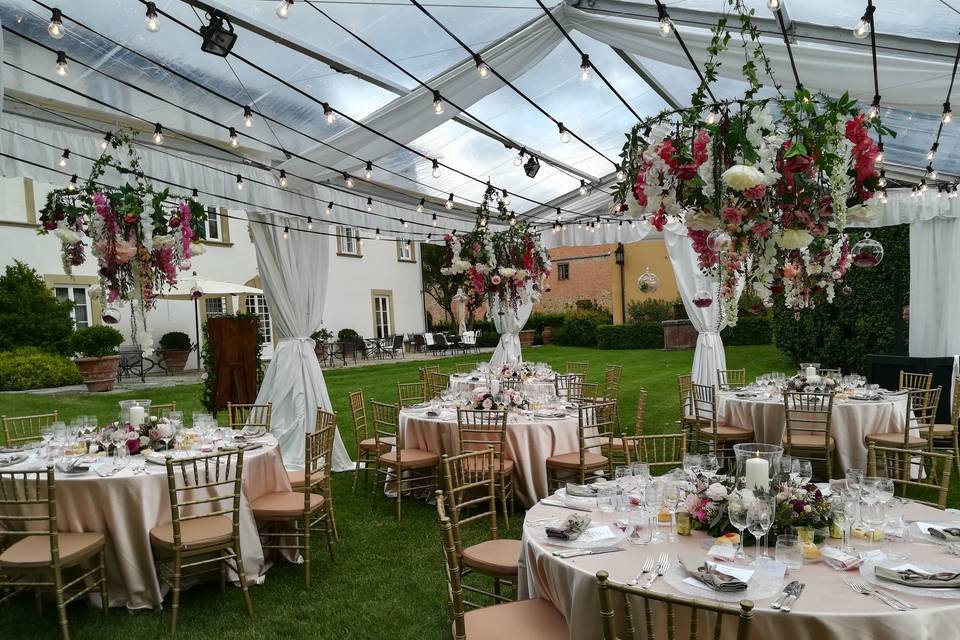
(411, 458)
(201, 532)
(807, 441)
(725, 431)
(493, 557)
(34, 551)
(502, 465)
(572, 460)
(370, 444)
(942, 431)
(895, 438)
(283, 504)
(524, 620)
(296, 478)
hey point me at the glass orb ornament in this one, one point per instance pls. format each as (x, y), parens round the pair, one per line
(648, 282)
(846, 290)
(867, 253)
(702, 298)
(718, 240)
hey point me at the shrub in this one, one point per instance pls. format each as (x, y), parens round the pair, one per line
(580, 328)
(650, 311)
(543, 319)
(32, 368)
(749, 330)
(321, 335)
(639, 335)
(94, 342)
(347, 334)
(30, 315)
(175, 341)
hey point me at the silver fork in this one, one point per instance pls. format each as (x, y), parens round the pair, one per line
(647, 568)
(861, 588)
(661, 569)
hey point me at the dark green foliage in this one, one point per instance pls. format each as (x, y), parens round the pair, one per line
(580, 328)
(30, 315)
(749, 330)
(842, 333)
(95, 342)
(346, 334)
(636, 335)
(32, 368)
(543, 319)
(175, 341)
(651, 310)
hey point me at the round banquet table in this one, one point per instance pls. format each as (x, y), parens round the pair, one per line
(530, 441)
(126, 506)
(852, 421)
(827, 610)
(535, 387)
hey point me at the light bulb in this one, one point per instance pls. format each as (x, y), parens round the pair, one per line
(378, 233)
(405, 225)
(309, 223)
(513, 218)
(883, 197)
(621, 175)
(874, 112)
(518, 160)
(55, 28)
(564, 134)
(931, 173)
(152, 23)
(62, 162)
(247, 117)
(483, 70)
(72, 185)
(931, 154)
(157, 134)
(420, 206)
(666, 27)
(505, 198)
(61, 66)
(923, 188)
(774, 5)
(234, 140)
(584, 68)
(449, 203)
(368, 171)
(436, 169)
(328, 114)
(107, 138)
(286, 232)
(712, 116)
(947, 114)
(283, 178)
(239, 183)
(329, 208)
(583, 188)
(369, 205)
(882, 182)
(434, 220)
(953, 193)
(862, 30)
(348, 179)
(283, 9)
(437, 103)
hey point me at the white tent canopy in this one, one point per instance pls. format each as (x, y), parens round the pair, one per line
(185, 287)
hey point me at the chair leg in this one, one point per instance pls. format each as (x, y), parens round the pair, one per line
(61, 605)
(356, 471)
(175, 603)
(305, 541)
(399, 493)
(503, 500)
(956, 449)
(104, 597)
(242, 576)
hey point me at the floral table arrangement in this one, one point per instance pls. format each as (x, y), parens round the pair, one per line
(154, 433)
(506, 399)
(810, 384)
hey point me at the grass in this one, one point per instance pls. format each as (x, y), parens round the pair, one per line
(386, 580)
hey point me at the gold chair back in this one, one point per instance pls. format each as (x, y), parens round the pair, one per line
(437, 383)
(662, 451)
(423, 371)
(468, 482)
(685, 386)
(466, 367)
(834, 374)
(926, 472)
(641, 412)
(166, 406)
(579, 368)
(563, 381)
(19, 430)
(583, 392)
(204, 486)
(410, 393)
(28, 508)
(318, 451)
(451, 565)
(386, 419)
(915, 381)
(479, 430)
(358, 411)
(808, 419)
(703, 400)
(249, 415)
(921, 412)
(731, 378)
(514, 384)
(595, 427)
(612, 375)
(692, 609)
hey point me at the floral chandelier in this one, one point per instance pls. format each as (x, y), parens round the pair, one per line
(763, 186)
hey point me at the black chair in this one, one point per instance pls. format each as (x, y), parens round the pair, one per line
(397, 346)
(440, 344)
(131, 362)
(360, 346)
(419, 344)
(337, 351)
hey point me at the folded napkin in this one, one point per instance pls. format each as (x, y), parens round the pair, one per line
(581, 490)
(950, 534)
(722, 552)
(913, 577)
(571, 529)
(8, 460)
(708, 574)
(839, 560)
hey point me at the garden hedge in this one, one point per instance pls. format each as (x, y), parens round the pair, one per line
(649, 335)
(33, 368)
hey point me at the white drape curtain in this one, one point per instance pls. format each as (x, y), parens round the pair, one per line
(294, 273)
(509, 323)
(709, 355)
(935, 287)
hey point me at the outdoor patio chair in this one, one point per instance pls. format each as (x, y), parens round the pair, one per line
(919, 417)
(468, 342)
(719, 438)
(19, 430)
(731, 379)
(419, 344)
(944, 436)
(397, 348)
(909, 468)
(131, 362)
(480, 430)
(594, 430)
(662, 452)
(441, 344)
(409, 470)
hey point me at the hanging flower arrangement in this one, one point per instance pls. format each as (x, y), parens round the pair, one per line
(510, 266)
(762, 185)
(140, 240)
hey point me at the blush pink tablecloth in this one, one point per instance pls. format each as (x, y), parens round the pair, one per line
(125, 507)
(828, 609)
(530, 441)
(852, 421)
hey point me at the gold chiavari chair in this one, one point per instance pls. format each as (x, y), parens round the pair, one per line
(466, 367)
(423, 371)
(833, 374)
(35, 555)
(203, 535)
(925, 471)
(808, 427)
(156, 409)
(915, 381)
(309, 506)
(514, 384)
(920, 415)
(562, 384)
(709, 432)
(324, 420)
(470, 493)
(662, 451)
(616, 453)
(478, 430)
(594, 432)
(411, 469)
(612, 375)
(534, 618)
(18, 430)
(731, 378)
(437, 383)
(578, 392)
(944, 436)
(688, 414)
(240, 416)
(578, 368)
(692, 609)
(411, 393)
(366, 444)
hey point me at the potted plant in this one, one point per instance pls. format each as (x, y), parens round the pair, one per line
(320, 339)
(175, 347)
(98, 359)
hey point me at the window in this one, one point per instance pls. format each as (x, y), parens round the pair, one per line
(348, 241)
(382, 312)
(563, 271)
(215, 306)
(80, 314)
(405, 251)
(257, 305)
(213, 224)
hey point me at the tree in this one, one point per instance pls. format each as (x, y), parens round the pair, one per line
(436, 285)
(30, 315)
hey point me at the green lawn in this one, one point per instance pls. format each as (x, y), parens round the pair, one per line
(387, 580)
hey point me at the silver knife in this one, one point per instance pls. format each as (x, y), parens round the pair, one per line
(552, 503)
(787, 591)
(788, 603)
(585, 552)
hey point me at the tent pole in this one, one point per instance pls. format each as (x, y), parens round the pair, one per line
(196, 326)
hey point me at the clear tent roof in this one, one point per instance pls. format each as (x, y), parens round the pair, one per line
(401, 32)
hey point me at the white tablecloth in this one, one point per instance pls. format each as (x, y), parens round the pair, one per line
(537, 389)
(851, 422)
(828, 609)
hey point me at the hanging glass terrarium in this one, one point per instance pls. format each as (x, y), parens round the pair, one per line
(648, 282)
(718, 240)
(867, 253)
(702, 298)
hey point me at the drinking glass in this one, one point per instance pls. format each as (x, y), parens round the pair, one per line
(640, 527)
(789, 551)
(759, 521)
(624, 476)
(803, 470)
(868, 490)
(737, 512)
(605, 499)
(653, 501)
(854, 480)
(121, 454)
(709, 466)
(59, 432)
(671, 496)
(786, 468)
(691, 464)
(46, 434)
(872, 516)
(841, 511)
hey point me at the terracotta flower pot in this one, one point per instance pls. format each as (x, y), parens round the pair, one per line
(526, 337)
(546, 335)
(175, 359)
(99, 374)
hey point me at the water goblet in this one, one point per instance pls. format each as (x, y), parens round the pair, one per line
(841, 512)
(624, 476)
(759, 521)
(737, 506)
(671, 498)
(709, 466)
(786, 468)
(691, 464)
(606, 499)
(803, 470)
(789, 551)
(854, 480)
(653, 502)
(59, 432)
(872, 516)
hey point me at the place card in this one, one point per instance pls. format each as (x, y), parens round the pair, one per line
(740, 573)
(839, 560)
(722, 552)
(597, 534)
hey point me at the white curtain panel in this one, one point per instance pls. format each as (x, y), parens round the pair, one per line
(509, 323)
(612, 233)
(709, 355)
(934, 288)
(294, 274)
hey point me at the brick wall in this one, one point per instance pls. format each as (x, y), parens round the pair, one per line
(591, 273)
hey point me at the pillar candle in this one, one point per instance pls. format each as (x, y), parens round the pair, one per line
(136, 415)
(757, 473)
(810, 372)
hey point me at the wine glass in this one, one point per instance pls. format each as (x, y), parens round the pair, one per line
(802, 470)
(691, 464)
(709, 466)
(759, 521)
(59, 432)
(786, 468)
(841, 511)
(46, 434)
(653, 501)
(623, 474)
(737, 513)
(872, 516)
(671, 497)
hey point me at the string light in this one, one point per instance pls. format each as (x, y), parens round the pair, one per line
(437, 103)
(328, 114)
(947, 113)
(157, 134)
(378, 233)
(584, 68)
(310, 223)
(513, 218)
(329, 208)
(863, 28)
(72, 185)
(449, 203)
(283, 178)
(874, 108)
(882, 182)
(55, 28)
(404, 223)
(420, 205)
(436, 169)
(933, 151)
(621, 175)
(61, 66)
(348, 180)
(283, 9)
(923, 186)
(712, 116)
(64, 157)
(286, 232)
(107, 139)
(951, 195)
(931, 172)
(152, 20)
(883, 197)
(583, 188)
(239, 182)
(564, 134)
(247, 116)
(434, 220)
(940, 191)
(234, 140)
(482, 69)
(505, 198)
(369, 205)
(774, 5)
(666, 25)
(880, 152)
(518, 161)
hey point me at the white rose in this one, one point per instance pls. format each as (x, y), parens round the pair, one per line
(521, 274)
(507, 272)
(702, 221)
(716, 491)
(741, 177)
(447, 271)
(861, 213)
(162, 241)
(794, 239)
(68, 236)
(197, 249)
(481, 268)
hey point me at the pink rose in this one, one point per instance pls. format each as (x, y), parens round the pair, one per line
(762, 229)
(755, 193)
(733, 215)
(495, 280)
(125, 251)
(487, 404)
(790, 270)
